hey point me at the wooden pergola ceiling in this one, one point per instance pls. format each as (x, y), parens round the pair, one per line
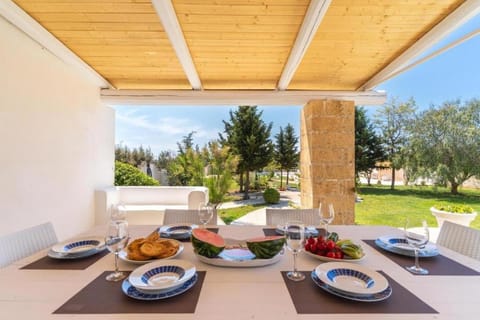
(291, 45)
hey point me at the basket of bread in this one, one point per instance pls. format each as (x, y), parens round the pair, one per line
(150, 248)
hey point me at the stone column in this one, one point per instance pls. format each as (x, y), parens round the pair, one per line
(327, 157)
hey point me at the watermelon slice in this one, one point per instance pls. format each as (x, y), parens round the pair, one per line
(266, 247)
(207, 243)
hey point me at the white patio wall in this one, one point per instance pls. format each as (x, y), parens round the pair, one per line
(56, 139)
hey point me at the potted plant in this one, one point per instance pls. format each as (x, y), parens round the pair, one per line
(459, 214)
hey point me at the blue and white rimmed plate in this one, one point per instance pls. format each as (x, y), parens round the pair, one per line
(123, 255)
(79, 245)
(310, 231)
(400, 246)
(78, 255)
(177, 230)
(160, 275)
(134, 293)
(351, 278)
(380, 296)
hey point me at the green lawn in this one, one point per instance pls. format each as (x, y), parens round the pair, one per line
(382, 206)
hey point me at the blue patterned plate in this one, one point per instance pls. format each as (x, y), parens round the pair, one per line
(77, 255)
(134, 293)
(362, 298)
(177, 231)
(79, 245)
(399, 245)
(350, 278)
(160, 275)
(310, 231)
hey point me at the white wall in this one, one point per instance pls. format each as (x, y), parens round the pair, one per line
(56, 139)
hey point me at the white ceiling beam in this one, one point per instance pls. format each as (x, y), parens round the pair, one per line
(168, 17)
(17, 17)
(313, 17)
(458, 17)
(433, 54)
(235, 97)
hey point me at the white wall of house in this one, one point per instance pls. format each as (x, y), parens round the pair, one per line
(56, 139)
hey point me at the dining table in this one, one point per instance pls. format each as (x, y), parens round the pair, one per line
(36, 288)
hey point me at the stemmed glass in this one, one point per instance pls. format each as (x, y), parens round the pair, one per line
(417, 238)
(295, 236)
(117, 212)
(116, 239)
(327, 214)
(205, 213)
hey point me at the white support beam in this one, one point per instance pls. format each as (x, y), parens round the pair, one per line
(235, 97)
(168, 17)
(313, 17)
(17, 17)
(458, 17)
(433, 54)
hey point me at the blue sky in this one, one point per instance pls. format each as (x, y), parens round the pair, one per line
(455, 74)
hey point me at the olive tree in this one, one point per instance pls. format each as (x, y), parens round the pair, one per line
(445, 141)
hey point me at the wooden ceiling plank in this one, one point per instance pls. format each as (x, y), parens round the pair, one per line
(313, 17)
(458, 17)
(172, 27)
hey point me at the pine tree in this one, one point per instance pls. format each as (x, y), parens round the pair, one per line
(249, 138)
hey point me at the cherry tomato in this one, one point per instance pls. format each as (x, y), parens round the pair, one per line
(331, 254)
(330, 244)
(339, 255)
(321, 246)
(308, 247)
(311, 240)
(321, 239)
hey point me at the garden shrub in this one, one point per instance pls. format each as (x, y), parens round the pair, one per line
(128, 175)
(271, 196)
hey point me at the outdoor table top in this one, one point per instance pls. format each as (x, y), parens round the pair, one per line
(239, 293)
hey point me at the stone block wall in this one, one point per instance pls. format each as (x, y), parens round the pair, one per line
(327, 158)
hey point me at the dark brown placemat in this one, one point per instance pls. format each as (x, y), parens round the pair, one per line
(308, 298)
(47, 263)
(273, 232)
(101, 296)
(436, 266)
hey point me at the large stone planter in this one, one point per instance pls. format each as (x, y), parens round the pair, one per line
(458, 218)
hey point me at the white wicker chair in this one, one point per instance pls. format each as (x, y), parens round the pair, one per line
(185, 216)
(460, 238)
(23, 243)
(281, 216)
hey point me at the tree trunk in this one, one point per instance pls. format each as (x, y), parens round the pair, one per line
(393, 178)
(281, 178)
(286, 184)
(454, 187)
(240, 182)
(369, 177)
(247, 185)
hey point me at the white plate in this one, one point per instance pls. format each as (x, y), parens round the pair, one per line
(351, 278)
(399, 245)
(238, 258)
(124, 255)
(160, 275)
(70, 256)
(177, 230)
(134, 293)
(327, 259)
(79, 245)
(367, 298)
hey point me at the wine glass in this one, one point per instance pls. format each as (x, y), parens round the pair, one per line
(116, 239)
(326, 214)
(118, 212)
(295, 236)
(205, 213)
(417, 237)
